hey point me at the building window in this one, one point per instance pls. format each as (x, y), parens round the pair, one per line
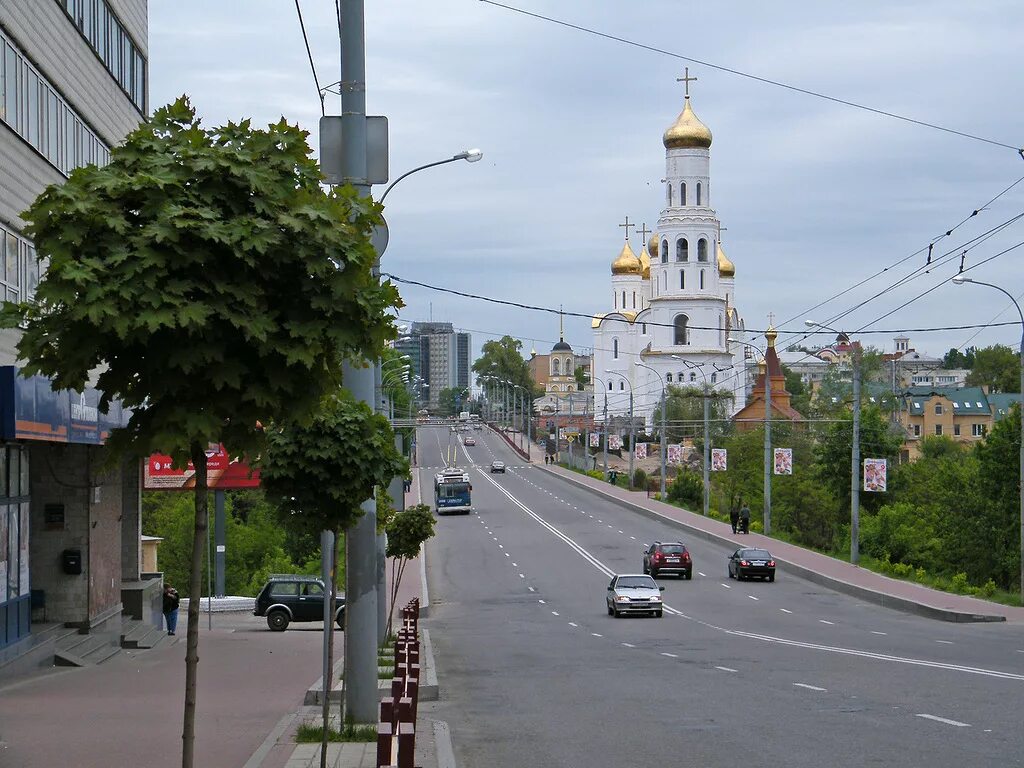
(682, 334)
(682, 279)
(682, 193)
(664, 251)
(698, 193)
(634, 299)
(978, 430)
(956, 430)
(714, 378)
(622, 386)
(680, 377)
(682, 249)
(623, 299)
(19, 269)
(615, 349)
(702, 250)
(938, 409)
(668, 376)
(938, 429)
(36, 112)
(702, 279)
(643, 328)
(917, 430)
(555, 367)
(693, 377)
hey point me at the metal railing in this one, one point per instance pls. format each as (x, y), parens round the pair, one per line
(396, 726)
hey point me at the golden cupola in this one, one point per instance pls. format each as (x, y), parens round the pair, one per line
(725, 267)
(687, 131)
(627, 262)
(645, 264)
(652, 246)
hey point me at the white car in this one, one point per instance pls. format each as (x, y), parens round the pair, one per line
(634, 593)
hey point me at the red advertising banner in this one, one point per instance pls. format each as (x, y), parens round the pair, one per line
(222, 472)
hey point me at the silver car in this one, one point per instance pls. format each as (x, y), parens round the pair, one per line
(634, 593)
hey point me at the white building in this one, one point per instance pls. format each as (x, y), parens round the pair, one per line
(674, 305)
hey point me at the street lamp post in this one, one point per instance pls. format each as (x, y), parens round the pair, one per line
(854, 449)
(469, 155)
(960, 280)
(706, 479)
(605, 388)
(664, 407)
(767, 515)
(631, 435)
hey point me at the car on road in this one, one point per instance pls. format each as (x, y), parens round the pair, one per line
(748, 563)
(668, 557)
(498, 466)
(634, 593)
(287, 598)
(478, 427)
(469, 441)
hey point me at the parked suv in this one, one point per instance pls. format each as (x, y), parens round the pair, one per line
(668, 557)
(285, 599)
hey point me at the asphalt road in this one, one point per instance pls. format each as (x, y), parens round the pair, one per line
(533, 670)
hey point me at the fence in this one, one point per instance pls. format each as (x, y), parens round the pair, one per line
(396, 726)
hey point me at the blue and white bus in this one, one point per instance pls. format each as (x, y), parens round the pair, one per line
(452, 492)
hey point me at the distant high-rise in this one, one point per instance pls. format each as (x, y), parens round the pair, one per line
(443, 358)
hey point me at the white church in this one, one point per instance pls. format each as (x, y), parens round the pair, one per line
(674, 304)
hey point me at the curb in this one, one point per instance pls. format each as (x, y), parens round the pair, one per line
(443, 745)
(904, 604)
(257, 757)
(424, 592)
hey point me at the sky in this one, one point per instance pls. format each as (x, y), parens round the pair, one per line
(816, 196)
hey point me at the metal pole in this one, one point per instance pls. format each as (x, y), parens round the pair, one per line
(855, 464)
(327, 572)
(220, 546)
(707, 450)
(606, 435)
(209, 583)
(632, 436)
(767, 447)
(664, 446)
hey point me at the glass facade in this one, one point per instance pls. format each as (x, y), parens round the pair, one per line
(15, 595)
(36, 112)
(19, 270)
(112, 44)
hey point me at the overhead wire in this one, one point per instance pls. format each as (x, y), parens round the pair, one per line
(309, 53)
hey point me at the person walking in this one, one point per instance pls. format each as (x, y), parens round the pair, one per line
(171, 601)
(734, 517)
(745, 519)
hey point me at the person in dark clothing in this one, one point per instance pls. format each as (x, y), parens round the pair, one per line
(734, 518)
(745, 519)
(171, 601)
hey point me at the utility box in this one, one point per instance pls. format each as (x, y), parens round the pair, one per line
(71, 560)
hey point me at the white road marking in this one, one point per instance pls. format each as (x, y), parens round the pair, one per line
(945, 642)
(876, 632)
(610, 525)
(726, 586)
(634, 539)
(945, 720)
(620, 531)
(726, 669)
(826, 621)
(532, 589)
(809, 687)
(573, 624)
(699, 573)
(753, 598)
(785, 610)
(521, 576)
(501, 546)
(540, 601)
(670, 655)
(596, 635)
(507, 555)
(629, 645)
(554, 613)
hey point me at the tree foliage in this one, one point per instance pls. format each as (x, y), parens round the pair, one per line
(685, 413)
(502, 359)
(997, 367)
(407, 532)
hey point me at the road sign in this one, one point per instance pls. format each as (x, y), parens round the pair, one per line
(379, 238)
(571, 438)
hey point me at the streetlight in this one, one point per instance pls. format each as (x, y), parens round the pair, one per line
(855, 450)
(605, 388)
(707, 431)
(631, 446)
(767, 515)
(469, 155)
(664, 407)
(960, 280)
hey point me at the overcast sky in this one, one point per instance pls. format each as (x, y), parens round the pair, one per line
(816, 196)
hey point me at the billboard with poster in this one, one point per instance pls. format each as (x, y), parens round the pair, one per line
(875, 475)
(222, 473)
(719, 459)
(675, 454)
(640, 451)
(614, 442)
(595, 439)
(783, 461)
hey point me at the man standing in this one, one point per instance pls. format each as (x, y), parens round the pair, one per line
(171, 601)
(734, 517)
(745, 519)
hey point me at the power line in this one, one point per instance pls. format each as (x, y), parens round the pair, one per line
(757, 78)
(309, 53)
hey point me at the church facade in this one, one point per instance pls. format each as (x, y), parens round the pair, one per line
(673, 307)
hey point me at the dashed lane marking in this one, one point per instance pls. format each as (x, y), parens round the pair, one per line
(507, 555)
(876, 632)
(753, 598)
(629, 645)
(700, 573)
(809, 687)
(554, 613)
(595, 634)
(521, 576)
(726, 669)
(532, 589)
(945, 642)
(573, 624)
(726, 586)
(515, 565)
(785, 610)
(670, 655)
(826, 621)
(541, 602)
(945, 720)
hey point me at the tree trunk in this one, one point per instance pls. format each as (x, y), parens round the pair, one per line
(329, 634)
(195, 587)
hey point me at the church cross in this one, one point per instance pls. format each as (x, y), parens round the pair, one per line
(627, 225)
(644, 232)
(685, 79)
(771, 319)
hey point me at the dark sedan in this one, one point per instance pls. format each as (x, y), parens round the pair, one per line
(750, 563)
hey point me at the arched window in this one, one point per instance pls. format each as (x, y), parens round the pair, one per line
(682, 279)
(682, 193)
(623, 299)
(682, 334)
(664, 251)
(609, 386)
(669, 195)
(665, 276)
(682, 249)
(556, 367)
(643, 328)
(570, 387)
(702, 279)
(668, 376)
(615, 349)
(714, 378)
(702, 250)
(622, 386)
(698, 193)
(680, 377)
(693, 377)
(634, 299)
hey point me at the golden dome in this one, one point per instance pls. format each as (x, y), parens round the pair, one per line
(645, 265)
(627, 263)
(770, 335)
(687, 131)
(652, 245)
(725, 267)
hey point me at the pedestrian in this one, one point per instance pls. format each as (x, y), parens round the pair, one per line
(745, 519)
(171, 601)
(734, 517)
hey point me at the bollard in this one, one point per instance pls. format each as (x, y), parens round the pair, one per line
(387, 710)
(384, 733)
(397, 688)
(406, 745)
(412, 690)
(405, 710)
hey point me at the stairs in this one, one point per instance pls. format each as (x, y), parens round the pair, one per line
(75, 650)
(139, 636)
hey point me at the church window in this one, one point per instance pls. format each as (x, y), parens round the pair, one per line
(643, 328)
(682, 334)
(669, 195)
(698, 193)
(682, 249)
(634, 299)
(680, 377)
(622, 386)
(702, 279)
(615, 349)
(682, 279)
(623, 299)
(693, 377)
(555, 367)
(714, 378)
(570, 387)
(609, 386)
(665, 276)
(668, 376)
(664, 251)
(682, 193)
(702, 250)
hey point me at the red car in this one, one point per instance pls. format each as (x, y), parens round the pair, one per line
(668, 557)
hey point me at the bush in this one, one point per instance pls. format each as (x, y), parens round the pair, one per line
(988, 588)
(639, 478)
(687, 489)
(959, 584)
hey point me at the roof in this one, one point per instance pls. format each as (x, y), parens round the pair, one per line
(964, 400)
(1001, 403)
(561, 346)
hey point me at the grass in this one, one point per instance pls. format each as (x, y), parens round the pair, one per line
(310, 733)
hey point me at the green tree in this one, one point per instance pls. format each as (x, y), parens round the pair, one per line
(452, 400)
(999, 476)
(800, 393)
(685, 414)
(743, 480)
(212, 284)
(957, 359)
(998, 367)
(407, 532)
(502, 359)
(582, 379)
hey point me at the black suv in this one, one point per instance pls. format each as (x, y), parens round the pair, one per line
(285, 599)
(668, 557)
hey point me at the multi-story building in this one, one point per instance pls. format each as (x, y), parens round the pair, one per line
(73, 82)
(966, 414)
(445, 358)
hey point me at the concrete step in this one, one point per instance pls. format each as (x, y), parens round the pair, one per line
(139, 635)
(83, 650)
(102, 653)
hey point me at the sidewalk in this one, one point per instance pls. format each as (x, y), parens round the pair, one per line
(821, 569)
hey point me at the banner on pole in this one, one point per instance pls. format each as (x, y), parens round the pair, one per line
(640, 451)
(719, 459)
(875, 475)
(614, 442)
(783, 461)
(595, 439)
(675, 454)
